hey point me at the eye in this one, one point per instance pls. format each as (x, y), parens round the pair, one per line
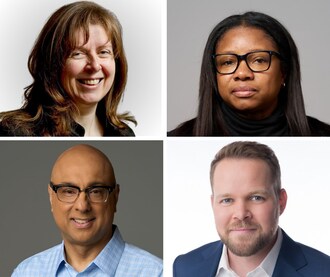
(257, 198)
(68, 191)
(77, 55)
(105, 53)
(226, 201)
(96, 191)
(226, 61)
(260, 59)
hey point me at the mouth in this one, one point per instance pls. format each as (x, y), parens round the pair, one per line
(82, 223)
(242, 229)
(244, 92)
(90, 82)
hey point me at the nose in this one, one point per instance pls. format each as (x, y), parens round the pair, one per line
(93, 64)
(82, 203)
(241, 211)
(243, 72)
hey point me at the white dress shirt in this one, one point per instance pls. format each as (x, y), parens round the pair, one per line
(265, 269)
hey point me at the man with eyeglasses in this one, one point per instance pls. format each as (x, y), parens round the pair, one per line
(83, 194)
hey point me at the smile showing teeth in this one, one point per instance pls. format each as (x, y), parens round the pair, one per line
(90, 81)
(82, 221)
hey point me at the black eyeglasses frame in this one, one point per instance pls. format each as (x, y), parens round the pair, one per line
(244, 58)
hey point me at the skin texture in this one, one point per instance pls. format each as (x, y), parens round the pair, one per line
(252, 95)
(246, 210)
(85, 227)
(93, 60)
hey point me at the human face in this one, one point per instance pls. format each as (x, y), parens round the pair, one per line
(245, 207)
(82, 222)
(90, 69)
(253, 95)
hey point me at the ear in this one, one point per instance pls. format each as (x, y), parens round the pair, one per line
(282, 200)
(50, 194)
(116, 195)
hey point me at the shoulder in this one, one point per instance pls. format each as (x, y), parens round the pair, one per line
(5, 131)
(113, 131)
(317, 262)
(318, 128)
(314, 254)
(185, 129)
(139, 261)
(199, 261)
(39, 264)
(199, 253)
(297, 257)
(15, 123)
(13, 130)
(126, 131)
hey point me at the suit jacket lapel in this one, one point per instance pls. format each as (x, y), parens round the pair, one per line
(290, 259)
(209, 266)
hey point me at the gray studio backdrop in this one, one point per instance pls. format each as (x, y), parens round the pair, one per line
(189, 22)
(27, 226)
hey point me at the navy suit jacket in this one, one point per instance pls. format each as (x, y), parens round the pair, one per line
(294, 260)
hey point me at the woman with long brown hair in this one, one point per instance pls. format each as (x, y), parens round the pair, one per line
(79, 72)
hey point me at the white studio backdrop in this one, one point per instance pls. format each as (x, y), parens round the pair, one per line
(21, 22)
(188, 217)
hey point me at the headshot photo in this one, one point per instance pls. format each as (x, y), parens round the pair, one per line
(247, 69)
(81, 68)
(246, 207)
(70, 207)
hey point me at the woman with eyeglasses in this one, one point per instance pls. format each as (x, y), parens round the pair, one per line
(250, 83)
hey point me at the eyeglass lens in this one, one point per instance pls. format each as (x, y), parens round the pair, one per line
(256, 61)
(70, 194)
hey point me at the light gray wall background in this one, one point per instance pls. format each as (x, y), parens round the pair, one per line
(189, 23)
(21, 22)
(27, 225)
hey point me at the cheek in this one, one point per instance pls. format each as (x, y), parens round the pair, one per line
(266, 216)
(222, 217)
(71, 70)
(223, 83)
(273, 81)
(109, 69)
(59, 213)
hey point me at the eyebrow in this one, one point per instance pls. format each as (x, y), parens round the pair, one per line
(228, 195)
(92, 184)
(251, 50)
(106, 44)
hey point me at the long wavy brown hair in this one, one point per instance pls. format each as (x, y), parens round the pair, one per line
(48, 110)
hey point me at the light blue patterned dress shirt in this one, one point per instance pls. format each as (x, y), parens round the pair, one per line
(118, 259)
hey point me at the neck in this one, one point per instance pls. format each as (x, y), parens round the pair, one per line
(257, 114)
(79, 256)
(88, 120)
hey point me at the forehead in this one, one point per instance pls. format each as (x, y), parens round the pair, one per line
(241, 175)
(245, 39)
(82, 165)
(97, 32)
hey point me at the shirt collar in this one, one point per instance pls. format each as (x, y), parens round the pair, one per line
(112, 251)
(267, 265)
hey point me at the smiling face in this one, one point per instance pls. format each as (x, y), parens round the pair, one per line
(253, 95)
(245, 206)
(89, 71)
(84, 223)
